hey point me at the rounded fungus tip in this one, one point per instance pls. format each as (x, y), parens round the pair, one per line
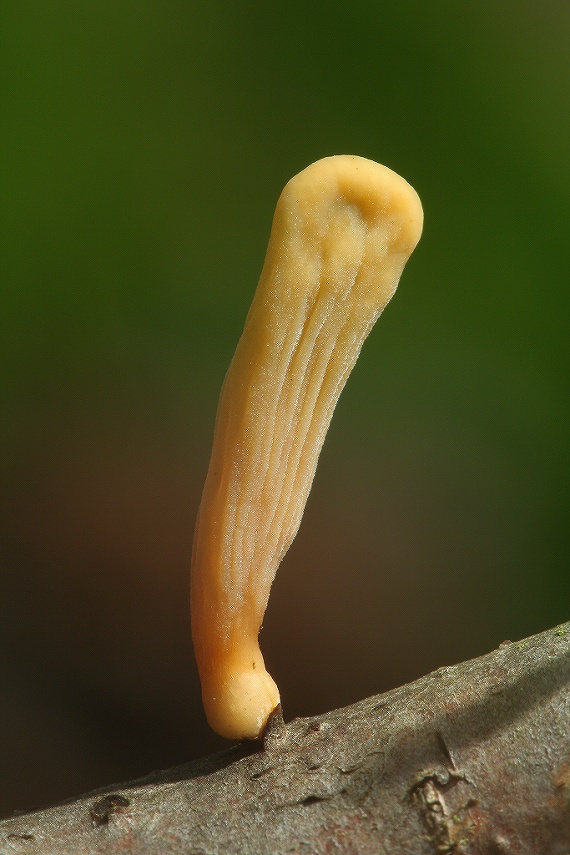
(342, 232)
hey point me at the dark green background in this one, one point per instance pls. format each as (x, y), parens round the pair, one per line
(143, 147)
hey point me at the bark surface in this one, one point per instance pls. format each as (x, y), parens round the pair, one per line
(470, 759)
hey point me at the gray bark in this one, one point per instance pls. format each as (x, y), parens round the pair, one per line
(470, 759)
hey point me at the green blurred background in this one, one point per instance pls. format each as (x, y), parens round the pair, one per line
(143, 148)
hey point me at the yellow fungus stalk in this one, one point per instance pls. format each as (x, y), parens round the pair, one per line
(342, 232)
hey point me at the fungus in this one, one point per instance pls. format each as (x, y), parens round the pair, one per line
(343, 230)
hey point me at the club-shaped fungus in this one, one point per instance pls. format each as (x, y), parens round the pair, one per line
(343, 230)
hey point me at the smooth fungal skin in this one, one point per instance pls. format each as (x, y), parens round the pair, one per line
(343, 230)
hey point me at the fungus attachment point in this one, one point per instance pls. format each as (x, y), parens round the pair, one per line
(342, 232)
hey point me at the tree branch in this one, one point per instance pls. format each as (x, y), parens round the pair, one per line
(470, 759)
